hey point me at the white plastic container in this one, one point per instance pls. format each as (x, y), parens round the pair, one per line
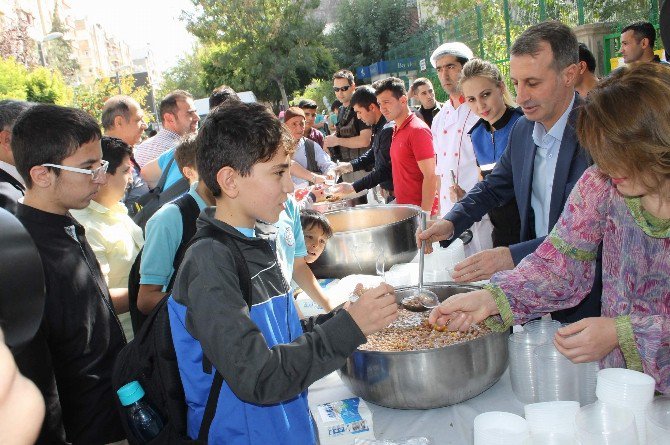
(602, 424)
(627, 389)
(500, 428)
(658, 421)
(552, 417)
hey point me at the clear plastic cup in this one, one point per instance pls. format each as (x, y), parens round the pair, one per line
(522, 367)
(588, 377)
(628, 389)
(550, 439)
(602, 424)
(500, 428)
(552, 417)
(658, 421)
(556, 376)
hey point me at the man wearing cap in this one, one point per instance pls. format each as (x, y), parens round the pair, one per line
(308, 153)
(453, 147)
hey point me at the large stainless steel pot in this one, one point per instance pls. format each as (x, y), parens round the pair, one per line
(344, 203)
(430, 378)
(362, 234)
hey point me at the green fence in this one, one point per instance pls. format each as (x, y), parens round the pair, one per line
(490, 27)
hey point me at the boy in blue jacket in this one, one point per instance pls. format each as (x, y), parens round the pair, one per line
(267, 362)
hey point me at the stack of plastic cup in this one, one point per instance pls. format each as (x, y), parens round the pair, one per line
(557, 378)
(658, 421)
(542, 330)
(550, 439)
(552, 417)
(500, 428)
(602, 424)
(522, 367)
(588, 377)
(627, 389)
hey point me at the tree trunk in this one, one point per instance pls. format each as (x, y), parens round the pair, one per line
(284, 98)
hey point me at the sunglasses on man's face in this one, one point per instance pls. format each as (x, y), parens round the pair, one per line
(344, 88)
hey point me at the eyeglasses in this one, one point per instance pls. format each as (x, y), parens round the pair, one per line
(96, 175)
(344, 88)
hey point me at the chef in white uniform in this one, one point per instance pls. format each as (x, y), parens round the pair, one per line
(453, 147)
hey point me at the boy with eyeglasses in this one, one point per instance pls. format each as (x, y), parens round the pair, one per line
(351, 133)
(58, 154)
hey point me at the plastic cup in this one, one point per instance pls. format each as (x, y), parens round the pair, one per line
(588, 377)
(658, 421)
(550, 439)
(522, 367)
(500, 428)
(556, 376)
(628, 389)
(602, 424)
(552, 417)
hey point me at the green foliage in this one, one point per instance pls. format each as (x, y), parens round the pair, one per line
(187, 75)
(12, 79)
(46, 86)
(267, 47)
(316, 91)
(91, 98)
(58, 52)
(366, 29)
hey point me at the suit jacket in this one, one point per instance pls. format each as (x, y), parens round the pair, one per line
(512, 177)
(10, 191)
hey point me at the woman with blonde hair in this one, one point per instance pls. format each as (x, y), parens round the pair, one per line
(487, 96)
(621, 205)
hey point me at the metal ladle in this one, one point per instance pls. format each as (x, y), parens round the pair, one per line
(426, 297)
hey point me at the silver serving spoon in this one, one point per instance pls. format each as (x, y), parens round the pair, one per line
(427, 298)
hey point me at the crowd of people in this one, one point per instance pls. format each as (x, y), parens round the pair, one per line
(564, 188)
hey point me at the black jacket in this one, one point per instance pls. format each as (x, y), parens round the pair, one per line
(11, 191)
(377, 159)
(80, 334)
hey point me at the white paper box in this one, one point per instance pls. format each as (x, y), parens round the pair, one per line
(343, 421)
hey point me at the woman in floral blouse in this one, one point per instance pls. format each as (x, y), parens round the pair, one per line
(623, 205)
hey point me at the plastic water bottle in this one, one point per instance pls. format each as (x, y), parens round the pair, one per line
(143, 420)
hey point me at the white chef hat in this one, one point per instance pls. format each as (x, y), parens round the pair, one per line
(456, 49)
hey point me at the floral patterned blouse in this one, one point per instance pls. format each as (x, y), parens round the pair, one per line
(636, 274)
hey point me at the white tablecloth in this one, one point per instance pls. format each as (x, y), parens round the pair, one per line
(444, 426)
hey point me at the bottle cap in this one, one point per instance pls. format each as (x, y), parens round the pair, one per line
(130, 393)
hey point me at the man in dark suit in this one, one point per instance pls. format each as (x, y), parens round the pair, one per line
(11, 184)
(540, 166)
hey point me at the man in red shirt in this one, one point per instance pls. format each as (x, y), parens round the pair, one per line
(412, 154)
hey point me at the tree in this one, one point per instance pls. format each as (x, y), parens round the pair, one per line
(187, 75)
(269, 47)
(12, 79)
(59, 51)
(316, 91)
(365, 30)
(47, 86)
(16, 42)
(91, 98)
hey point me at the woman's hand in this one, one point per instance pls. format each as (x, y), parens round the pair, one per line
(461, 311)
(587, 340)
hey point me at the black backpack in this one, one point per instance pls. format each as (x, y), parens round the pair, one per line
(150, 359)
(150, 202)
(188, 207)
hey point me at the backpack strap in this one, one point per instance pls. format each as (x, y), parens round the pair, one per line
(164, 175)
(245, 287)
(310, 154)
(189, 210)
(6, 177)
